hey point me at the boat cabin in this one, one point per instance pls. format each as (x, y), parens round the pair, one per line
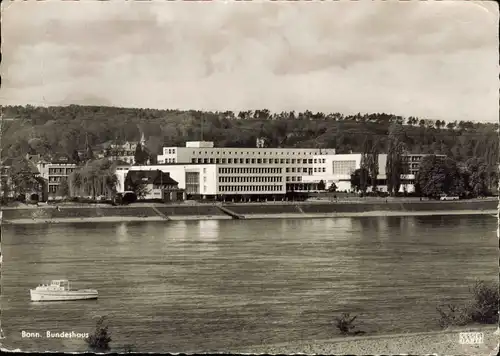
(57, 284)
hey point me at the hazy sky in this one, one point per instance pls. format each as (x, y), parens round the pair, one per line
(437, 60)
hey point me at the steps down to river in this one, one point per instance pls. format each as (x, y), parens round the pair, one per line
(242, 210)
(230, 213)
(160, 213)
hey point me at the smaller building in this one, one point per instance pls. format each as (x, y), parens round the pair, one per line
(54, 172)
(155, 184)
(122, 152)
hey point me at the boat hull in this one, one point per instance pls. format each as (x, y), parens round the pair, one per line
(50, 296)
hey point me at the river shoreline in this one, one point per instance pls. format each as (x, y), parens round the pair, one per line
(111, 219)
(252, 211)
(444, 342)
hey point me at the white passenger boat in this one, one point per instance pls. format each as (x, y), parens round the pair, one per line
(59, 290)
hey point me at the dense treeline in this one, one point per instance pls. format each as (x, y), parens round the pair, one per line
(62, 130)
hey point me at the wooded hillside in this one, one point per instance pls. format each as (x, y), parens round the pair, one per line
(64, 129)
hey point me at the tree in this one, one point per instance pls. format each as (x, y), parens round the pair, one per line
(89, 154)
(140, 189)
(437, 176)
(394, 166)
(141, 155)
(138, 186)
(477, 176)
(99, 341)
(63, 189)
(23, 177)
(154, 145)
(332, 188)
(94, 178)
(321, 185)
(75, 183)
(369, 160)
(359, 179)
(75, 157)
(5, 186)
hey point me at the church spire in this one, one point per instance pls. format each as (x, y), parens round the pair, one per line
(143, 140)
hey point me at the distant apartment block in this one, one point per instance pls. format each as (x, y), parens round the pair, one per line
(54, 172)
(412, 161)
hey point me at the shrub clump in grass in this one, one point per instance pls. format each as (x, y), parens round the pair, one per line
(100, 339)
(482, 309)
(345, 324)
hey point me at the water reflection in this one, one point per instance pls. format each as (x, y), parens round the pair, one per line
(176, 231)
(122, 232)
(339, 225)
(208, 230)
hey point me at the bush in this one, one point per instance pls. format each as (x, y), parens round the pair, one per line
(345, 324)
(100, 339)
(452, 315)
(482, 309)
(485, 307)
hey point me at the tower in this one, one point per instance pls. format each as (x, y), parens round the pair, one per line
(143, 140)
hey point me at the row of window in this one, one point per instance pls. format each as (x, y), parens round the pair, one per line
(250, 170)
(259, 152)
(169, 160)
(294, 179)
(298, 170)
(249, 160)
(344, 167)
(114, 153)
(192, 178)
(61, 171)
(251, 188)
(250, 179)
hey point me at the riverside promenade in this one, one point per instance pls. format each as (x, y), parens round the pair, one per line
(71, 213)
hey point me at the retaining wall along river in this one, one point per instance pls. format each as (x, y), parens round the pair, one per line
(152, 212)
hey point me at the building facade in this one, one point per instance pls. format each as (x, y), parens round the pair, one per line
(195, 179)
(157, 184)
(121, 152)
(250, 170)
(338, 169)
(54, 173)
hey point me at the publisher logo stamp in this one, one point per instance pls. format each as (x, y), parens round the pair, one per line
(471, 338)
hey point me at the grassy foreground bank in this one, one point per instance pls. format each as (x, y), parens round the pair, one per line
(160, 212)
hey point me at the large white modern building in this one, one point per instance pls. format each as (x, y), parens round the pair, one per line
(338, 169)
(250, 170)
(204, 170)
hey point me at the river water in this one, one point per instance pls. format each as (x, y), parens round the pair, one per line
(216, 285)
